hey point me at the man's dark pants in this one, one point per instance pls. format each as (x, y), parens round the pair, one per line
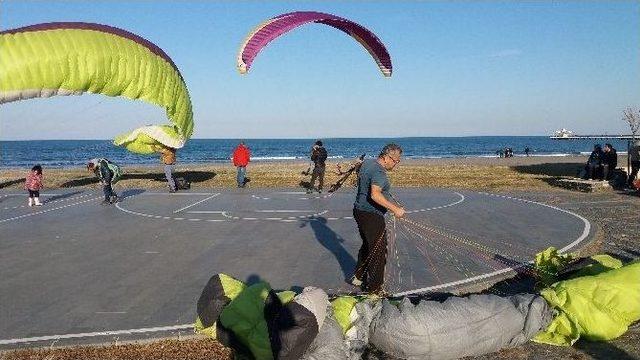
(372, 256)
(318, 173)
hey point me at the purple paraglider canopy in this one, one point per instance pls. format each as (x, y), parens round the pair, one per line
(271, 29)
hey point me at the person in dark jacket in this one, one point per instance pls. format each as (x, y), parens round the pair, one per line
(594, 162)
(319, 157)
(609, 161)
(100, 167)
(241, 157)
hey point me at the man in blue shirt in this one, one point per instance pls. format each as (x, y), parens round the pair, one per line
(372, 202)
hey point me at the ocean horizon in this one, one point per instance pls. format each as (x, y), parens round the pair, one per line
(73, 153)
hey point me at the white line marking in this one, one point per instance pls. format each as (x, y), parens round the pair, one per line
(585, 233)
(196, 203)
(176, 194)
(48, 210)
(94, 334)
(441, 206)
(285, 211)
(7, 195)
(111, 312)
(291, 192)
(205, 212)
(152, 252)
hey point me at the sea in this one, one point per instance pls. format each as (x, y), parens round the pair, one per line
(74, 153)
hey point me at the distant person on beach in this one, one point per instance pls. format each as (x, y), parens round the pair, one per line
(500, 153)
(609, 161)
(594, 162)
(373, 199)
(168, 159)
(634, 158)
(318, 157)
(526, 151)
(108, 173)
(241, 157)
(33, 184)
(508, 152)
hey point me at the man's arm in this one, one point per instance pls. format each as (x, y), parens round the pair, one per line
(378, 197)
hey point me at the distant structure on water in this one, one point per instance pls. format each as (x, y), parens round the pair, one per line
(565, 134)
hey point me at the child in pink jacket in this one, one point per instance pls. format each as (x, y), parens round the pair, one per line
(33, 184)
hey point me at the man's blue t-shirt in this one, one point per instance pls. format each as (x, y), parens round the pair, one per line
(371, 173)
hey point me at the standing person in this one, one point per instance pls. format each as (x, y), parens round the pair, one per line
(609, 161)
(108, 173)
(634, 158)
(372, 202)
(526, 151)
(594, 162)
(241, 157)
(319, 157)
(33, 184)
(168, 158)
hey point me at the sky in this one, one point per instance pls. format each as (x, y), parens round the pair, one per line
(459, 69)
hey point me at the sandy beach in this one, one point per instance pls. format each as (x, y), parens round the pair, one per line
(517, 173)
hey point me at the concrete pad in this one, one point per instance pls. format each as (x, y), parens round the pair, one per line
(75, 267)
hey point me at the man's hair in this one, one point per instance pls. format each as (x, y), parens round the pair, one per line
(608, 145)
(389, 148)
(319, 143)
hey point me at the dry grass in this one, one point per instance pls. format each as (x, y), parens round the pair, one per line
(461, 176)
(205, 349)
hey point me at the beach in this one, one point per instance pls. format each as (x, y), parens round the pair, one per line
(516, 173)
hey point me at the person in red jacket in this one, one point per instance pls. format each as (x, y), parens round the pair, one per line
(241, 157)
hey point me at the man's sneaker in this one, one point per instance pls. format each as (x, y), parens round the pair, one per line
(105, 202)
(355, 281)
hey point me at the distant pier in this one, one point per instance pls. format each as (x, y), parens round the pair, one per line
(586, 137)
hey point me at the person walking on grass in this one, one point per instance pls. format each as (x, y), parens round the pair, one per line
(318, 157)
(168, 158)
(108, 173)
(241, 157)
(33, 184)
(373, 200)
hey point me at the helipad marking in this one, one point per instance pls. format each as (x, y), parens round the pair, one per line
(228, 217)
(95, 334)
(196, 203)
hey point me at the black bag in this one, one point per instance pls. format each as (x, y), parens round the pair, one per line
(182, 183)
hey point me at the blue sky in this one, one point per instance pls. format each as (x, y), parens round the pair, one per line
(460, 69)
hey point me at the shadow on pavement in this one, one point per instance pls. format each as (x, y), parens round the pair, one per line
(11, 182)
(191, 176)
(550, 169)
(332, 242)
